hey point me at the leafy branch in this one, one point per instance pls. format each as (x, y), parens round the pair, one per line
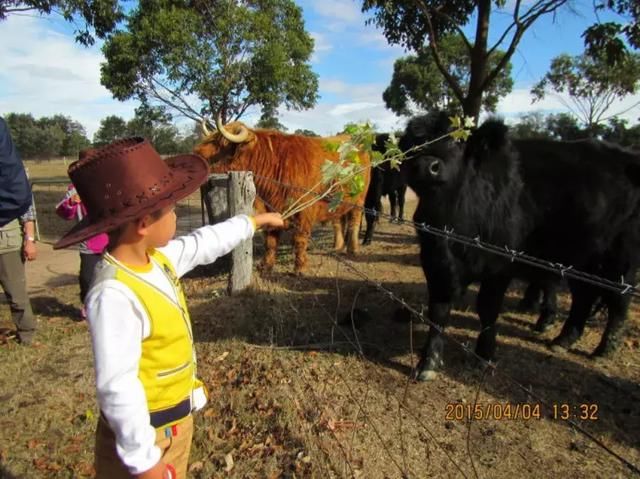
(346, 174)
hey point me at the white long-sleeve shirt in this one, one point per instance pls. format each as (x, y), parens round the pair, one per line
(118, 323)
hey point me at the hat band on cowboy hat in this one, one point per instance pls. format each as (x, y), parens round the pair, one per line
(126, 180)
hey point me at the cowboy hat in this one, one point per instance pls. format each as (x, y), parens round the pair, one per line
(126, 180)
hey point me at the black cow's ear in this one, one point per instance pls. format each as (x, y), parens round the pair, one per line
(489, 137)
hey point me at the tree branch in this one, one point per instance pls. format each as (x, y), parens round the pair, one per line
(537, 10)
(433, 46)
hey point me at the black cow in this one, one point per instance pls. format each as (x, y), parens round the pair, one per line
(384, 181)
(575, 203)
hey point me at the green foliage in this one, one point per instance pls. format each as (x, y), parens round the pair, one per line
(226, 56)
(348, 170)
(269, 120)
(46, 137)
(607, 39)
(95, 17)
(306, 132)
(416, 81)
(590, 83)
(111, 128)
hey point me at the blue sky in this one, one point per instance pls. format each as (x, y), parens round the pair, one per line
(44, 72)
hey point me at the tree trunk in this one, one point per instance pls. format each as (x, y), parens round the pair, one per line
(479, 61)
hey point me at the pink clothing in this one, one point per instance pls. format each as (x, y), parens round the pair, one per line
(68, 209)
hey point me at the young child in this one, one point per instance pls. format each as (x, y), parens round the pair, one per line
(70, 208)
(140, 328)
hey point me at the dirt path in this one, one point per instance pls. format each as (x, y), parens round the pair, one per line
(51, 269)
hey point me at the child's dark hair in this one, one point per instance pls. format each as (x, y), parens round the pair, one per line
(115, 234)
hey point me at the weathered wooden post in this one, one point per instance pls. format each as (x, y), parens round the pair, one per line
(242, 194)
(223, 196)
(215, 199)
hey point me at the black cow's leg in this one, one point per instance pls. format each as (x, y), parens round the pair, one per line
(371, 218)
(617, 307)
(583, 296)
(393, 202)
(549, 306)
(431, 359)
(531, 298)
(489, 304)
(443, 288)
(401, 194)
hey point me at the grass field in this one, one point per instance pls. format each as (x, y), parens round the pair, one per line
(296, 393)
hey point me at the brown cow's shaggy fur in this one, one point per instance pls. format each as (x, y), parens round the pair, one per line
(291, 160)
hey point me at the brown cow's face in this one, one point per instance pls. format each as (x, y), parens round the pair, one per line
(222, 154)
(218, 151)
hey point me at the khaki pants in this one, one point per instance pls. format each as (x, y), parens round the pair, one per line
(15, 289)
(175, 445)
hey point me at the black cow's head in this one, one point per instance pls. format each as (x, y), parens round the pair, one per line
(429, 165)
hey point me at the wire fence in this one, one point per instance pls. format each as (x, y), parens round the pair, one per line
(47, 193)
(488, 366)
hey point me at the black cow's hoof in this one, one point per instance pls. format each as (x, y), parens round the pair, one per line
(561, 344)
(606, 349)
(366, 242)
(541, 326)
(425, 375)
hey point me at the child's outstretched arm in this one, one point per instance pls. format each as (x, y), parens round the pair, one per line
(206, 244)
(270, 220)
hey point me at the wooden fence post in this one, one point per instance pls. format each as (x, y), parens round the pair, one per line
(242, 194)
(215, 199)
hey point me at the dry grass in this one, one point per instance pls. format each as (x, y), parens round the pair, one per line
(293, 396)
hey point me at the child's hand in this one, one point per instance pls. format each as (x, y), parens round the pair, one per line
(271, 220)
(75, 199)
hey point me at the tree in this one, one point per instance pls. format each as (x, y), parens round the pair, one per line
(608, 38)
(46, 137)
(423, 24)
(75, 136)
(98, 17)
(305, 132)
(416, 80)
(269, 120)
(111, 128)
(564, 126)
(588, 86)
(201, 60)
(617, 132)
(531, 125)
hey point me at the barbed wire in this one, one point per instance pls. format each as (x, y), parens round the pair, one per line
(505, 251)
(487, 365)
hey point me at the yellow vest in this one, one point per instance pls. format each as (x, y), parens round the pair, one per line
(167, 367)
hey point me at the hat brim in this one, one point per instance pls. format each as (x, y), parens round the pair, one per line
(189, 172)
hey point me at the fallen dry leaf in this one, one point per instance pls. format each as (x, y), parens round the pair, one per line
(196, 466)
(221, 357)
(229, 460)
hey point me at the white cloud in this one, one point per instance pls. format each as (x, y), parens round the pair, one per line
(519, 101)
(344, 11)
(328, 119)
(45, 73)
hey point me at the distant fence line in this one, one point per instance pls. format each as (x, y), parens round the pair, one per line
(222, 196)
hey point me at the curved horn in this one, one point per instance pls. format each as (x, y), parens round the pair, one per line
(205, 130)
(233, 138)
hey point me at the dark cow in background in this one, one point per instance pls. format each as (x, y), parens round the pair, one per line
(575, 203)
(384, 181)
(285, 167)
